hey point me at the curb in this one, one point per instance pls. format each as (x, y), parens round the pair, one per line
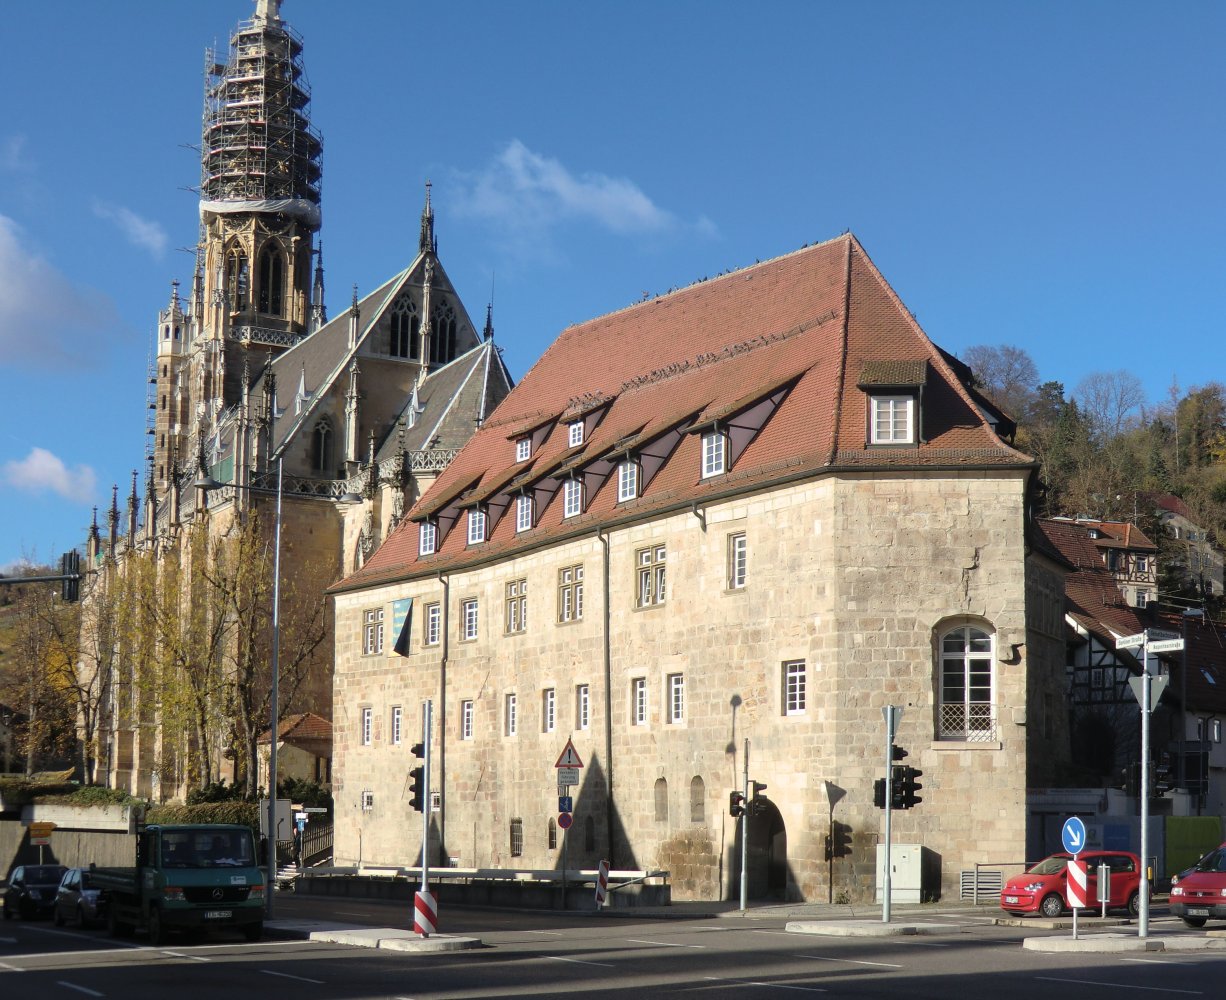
(867, 928)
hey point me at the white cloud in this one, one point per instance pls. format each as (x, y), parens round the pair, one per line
(139, 232)
(523, 189)
(13, 154)
(45, 320)
(43, 472)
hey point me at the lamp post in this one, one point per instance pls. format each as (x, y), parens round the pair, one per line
(1183, 697)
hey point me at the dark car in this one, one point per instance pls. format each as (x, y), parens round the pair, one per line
(78, 899)
(31, 891)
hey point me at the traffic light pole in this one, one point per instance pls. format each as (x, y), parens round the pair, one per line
(745, 834)
(892, 714)
(426, 712)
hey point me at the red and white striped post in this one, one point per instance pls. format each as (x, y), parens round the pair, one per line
(602, 883)
(1077, 888)
(425, 913)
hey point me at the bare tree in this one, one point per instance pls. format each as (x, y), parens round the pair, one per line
(1007, 374)
(1111, 401)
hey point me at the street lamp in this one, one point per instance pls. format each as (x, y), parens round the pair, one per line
(1183, 697)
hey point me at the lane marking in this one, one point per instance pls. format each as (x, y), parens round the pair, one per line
(8, 940)
(193, 958)
(1157, 961)
(79, 989)
(754, 982)
(1119, 986)
(286, 975)
(664, 944)
(559, 958)
(850, 961)
(11, 968)
(549, 933)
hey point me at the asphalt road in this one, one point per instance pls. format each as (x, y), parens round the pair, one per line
(547, 955)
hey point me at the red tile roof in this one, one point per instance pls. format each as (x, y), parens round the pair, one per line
(306, 726)
(813, 321)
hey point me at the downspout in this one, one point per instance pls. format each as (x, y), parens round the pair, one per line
(442, 726)
(608, 703)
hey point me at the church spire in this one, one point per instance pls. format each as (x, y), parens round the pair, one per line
(427, 243)
(268, 12)
(488, 332)
(319, 312)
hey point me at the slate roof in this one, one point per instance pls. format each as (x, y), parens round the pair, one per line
(813, 319)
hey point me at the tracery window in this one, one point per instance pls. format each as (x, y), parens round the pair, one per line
(444, 328)
(406, 327)
(237, 279)
(272, 281)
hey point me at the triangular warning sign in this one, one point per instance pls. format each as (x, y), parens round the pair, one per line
(569, 757)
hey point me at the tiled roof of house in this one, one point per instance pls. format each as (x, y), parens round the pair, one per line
(1092, 597)
(1117, 534)
(786, 341)
(302, 727)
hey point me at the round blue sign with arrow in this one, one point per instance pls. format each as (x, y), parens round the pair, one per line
(1073, 835)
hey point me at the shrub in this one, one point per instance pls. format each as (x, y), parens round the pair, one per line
(216, 791)
(309, 793)
(246, 813)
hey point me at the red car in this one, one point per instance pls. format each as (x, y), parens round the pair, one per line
(1201, 893)
(1043, 888)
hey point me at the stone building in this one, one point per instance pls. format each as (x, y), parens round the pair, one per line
(716, 531)
(332, 428)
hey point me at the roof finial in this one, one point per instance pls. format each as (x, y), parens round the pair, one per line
(427, 243)
(489, 321)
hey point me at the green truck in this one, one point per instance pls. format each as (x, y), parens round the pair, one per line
(187, 877)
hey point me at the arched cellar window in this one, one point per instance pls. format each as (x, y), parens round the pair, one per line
(442, 349)
(661, 800)
(237, 279)
(553, 835)
(321, 446)
(517, 838)
(406, 325)
(698, 800)
(272, 280)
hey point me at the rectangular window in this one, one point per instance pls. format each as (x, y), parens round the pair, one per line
(650, 576)
(510, 719)
(523, 449)
(434, 624)
(572, 498)
(583, 707)
(892, 420)
(427, 536)
(466, 720)
(676, 698)
(574, 434)
(517, 838)
(714, 453)
(523, 513)
(476, 526)
(1142, 564)
(638, 701)
(468, 619)
(396, 715)
(372, 633)
(736, 560)
(570, 594)
(627, 481)
(517, 607)
(368, 726)
(794, 694)
(1142, 598)
(549, 710)
(1215, 726)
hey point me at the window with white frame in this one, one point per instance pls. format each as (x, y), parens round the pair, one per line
(434, 624)
(736, 560)
(574, 434)
(676, 698)
(1142, 598)
(794, 684)
(466, 719)
(549, 710)
(372, 632)
(368, 726)
(468, 618)
(892, 420)
(396, 717)
(967, 711)
(1142, 564)
(516, 607)
(570, 593)
(627, 480)
(476, 526)
(714, 453)
(523, 449)
(651, 578)
(523, 512)
(427, 538)
(572, 498)
(1215, 730)
(638, 701)
(510, 716)
(583, 706)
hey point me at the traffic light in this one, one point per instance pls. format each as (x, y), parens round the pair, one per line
(898, 799)
(897, 752)
(736, 804)
(70, 569)
(879, 793)
(418, 750)
(417, 789)
(838, 841)
(757, 804)
(911, 786)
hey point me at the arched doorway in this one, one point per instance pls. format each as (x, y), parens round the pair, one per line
(766, 857)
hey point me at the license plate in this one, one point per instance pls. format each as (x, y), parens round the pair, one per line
(1198, 911)
(1010, 899)
(218, 914)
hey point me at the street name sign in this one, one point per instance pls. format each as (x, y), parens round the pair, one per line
(1130, 641)
(1165, 646)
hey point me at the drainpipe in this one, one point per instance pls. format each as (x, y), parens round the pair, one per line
(608, 702)
(442, 714)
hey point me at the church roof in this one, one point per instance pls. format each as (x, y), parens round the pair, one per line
(771, 354)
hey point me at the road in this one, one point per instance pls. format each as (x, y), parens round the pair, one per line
(556, 955)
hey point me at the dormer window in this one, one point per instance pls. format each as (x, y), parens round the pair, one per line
(892, 420)
(523, 449)
(427, 538)
(714, 454)
(523, 513)
(574, 434)
(572, 498)
(476, 527)
(627, 480)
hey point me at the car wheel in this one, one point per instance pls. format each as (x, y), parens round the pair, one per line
(1052, 906)
(1194, 921)
(1134, 905)
(81, 916)
(253, 932)
(157, 930)
(8, 914)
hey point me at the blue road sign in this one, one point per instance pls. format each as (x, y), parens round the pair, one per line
(565, 803)
(1073, 835)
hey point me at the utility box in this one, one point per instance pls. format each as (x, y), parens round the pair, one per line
(915, 874)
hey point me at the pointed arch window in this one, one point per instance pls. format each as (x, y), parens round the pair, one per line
(321, 445)
(406, 329)
(443, 324)
(272, 280)
(237, 279)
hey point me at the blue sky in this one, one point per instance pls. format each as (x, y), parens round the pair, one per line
(1041, 174)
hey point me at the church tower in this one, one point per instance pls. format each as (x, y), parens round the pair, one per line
(259, 215)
